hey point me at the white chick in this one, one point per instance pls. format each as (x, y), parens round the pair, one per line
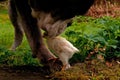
(62, 48)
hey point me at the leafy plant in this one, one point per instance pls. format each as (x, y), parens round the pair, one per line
(17, 58)
(95, 36)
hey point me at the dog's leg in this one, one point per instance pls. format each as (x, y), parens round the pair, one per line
(31, 29)
(17, 28)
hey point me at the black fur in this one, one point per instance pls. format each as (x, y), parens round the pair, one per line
(63, 9)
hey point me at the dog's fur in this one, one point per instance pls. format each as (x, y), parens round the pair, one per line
(46, 22)
(60, 12)
(62, 48)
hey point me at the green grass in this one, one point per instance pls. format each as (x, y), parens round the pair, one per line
(6, 29)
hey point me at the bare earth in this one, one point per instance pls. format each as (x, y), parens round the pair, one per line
(91, 70)
(21, 73)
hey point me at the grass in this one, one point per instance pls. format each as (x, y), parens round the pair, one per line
(105, 8)
(6, 29)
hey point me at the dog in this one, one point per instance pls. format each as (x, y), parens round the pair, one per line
(29, 16)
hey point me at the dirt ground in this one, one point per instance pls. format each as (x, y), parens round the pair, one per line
(89, 70)
(21, 73)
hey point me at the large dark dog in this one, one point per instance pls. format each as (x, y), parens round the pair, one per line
(50, 15)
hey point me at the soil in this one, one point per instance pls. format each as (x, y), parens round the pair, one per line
(21, 73)
(89, 70)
